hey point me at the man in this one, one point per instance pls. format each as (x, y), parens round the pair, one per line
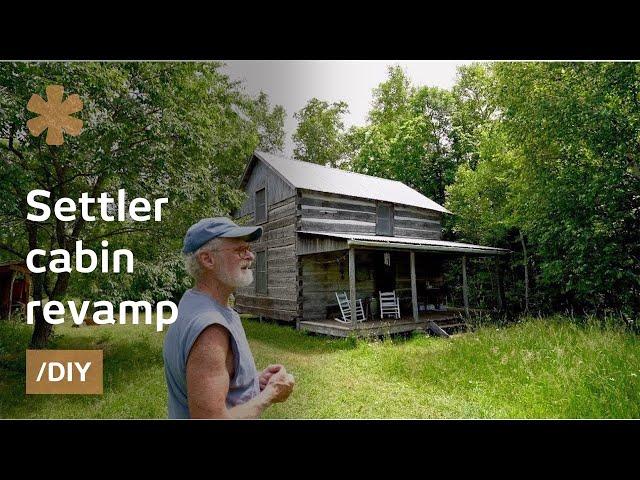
(209, 367)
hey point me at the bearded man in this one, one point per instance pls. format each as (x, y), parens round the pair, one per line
(209, 367)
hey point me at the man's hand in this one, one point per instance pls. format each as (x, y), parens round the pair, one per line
(279, 386)
(267, 373)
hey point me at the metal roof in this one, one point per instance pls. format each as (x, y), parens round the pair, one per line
(311, 176)
(412, 243)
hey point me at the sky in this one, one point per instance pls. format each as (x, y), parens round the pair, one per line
(291, 83)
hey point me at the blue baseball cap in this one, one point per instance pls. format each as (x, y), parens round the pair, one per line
(208, 228)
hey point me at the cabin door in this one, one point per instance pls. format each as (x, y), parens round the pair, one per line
(384, 274)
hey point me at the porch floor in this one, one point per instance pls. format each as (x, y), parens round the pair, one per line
(378, 327)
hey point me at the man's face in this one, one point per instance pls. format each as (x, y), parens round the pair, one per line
(232, 263)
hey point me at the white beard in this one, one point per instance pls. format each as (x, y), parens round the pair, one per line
(243, 278)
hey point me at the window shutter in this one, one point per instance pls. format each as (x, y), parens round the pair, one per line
(384, 220)
(261, 205)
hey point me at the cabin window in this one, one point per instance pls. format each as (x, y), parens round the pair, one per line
(261, 205)
(384, 220)
(261, 272)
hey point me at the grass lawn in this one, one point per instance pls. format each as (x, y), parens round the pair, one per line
(540, 368)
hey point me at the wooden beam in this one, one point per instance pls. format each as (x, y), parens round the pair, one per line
(435, 328)
(352, 285)
(465, 287)
(414, 289)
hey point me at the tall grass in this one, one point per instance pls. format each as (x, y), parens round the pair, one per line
(554, 367)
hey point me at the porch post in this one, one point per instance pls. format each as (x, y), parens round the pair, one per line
(414, 290)
(352, 284)
(465, 288)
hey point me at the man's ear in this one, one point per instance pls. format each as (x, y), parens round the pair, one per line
(206, 259)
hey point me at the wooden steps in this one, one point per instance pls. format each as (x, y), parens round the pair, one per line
(447, 327)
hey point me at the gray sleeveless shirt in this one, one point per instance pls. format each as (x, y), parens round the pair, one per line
(197, 311)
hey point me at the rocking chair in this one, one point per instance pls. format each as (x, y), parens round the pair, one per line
(345, 309)
(389, 304)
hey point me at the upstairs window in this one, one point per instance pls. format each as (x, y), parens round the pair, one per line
(261, 272)
(261, 205)
(384, 220)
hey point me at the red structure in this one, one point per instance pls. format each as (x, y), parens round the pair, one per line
(15, 287)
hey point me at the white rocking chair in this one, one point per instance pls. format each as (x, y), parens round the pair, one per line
(345, 309)
(389, 304)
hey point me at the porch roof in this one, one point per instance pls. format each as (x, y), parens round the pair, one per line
(416, 244)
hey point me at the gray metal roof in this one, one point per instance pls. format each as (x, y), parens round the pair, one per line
(404, 243)
(311, 176)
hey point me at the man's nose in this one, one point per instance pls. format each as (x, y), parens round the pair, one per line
(251, 255)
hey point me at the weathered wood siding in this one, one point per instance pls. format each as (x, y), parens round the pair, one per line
(279, 241)
(317, 244)
(323, 274)
(416, 222)
(323, 212)
(276, 188)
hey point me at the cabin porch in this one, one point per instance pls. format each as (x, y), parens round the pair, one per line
(436, 322)
(363, 266)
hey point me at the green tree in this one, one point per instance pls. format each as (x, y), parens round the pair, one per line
(407, 136)
(154, 129)
(320, 136)
(392, 98)
(573, 192)
(486, 202)
(269, 123)
(475, 110)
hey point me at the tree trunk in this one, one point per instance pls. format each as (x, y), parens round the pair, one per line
(500, 285)
(526, 274)
(41, 330)
(465, 286)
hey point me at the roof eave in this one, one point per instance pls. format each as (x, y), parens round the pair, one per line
(429, 248)
(247, 170)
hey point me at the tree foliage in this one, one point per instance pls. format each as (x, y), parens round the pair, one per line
(269, 123)
(566, 163)
(474, 111)
(155, 129)
(407, 137)
(319, 137)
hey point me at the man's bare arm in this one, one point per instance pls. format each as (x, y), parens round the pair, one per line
(208, 380)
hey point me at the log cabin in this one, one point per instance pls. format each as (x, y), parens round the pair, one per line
(328, 231)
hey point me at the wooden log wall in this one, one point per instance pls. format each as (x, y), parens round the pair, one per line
(279, 241)
(324, 212)
(324, 274)
(416, 222)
